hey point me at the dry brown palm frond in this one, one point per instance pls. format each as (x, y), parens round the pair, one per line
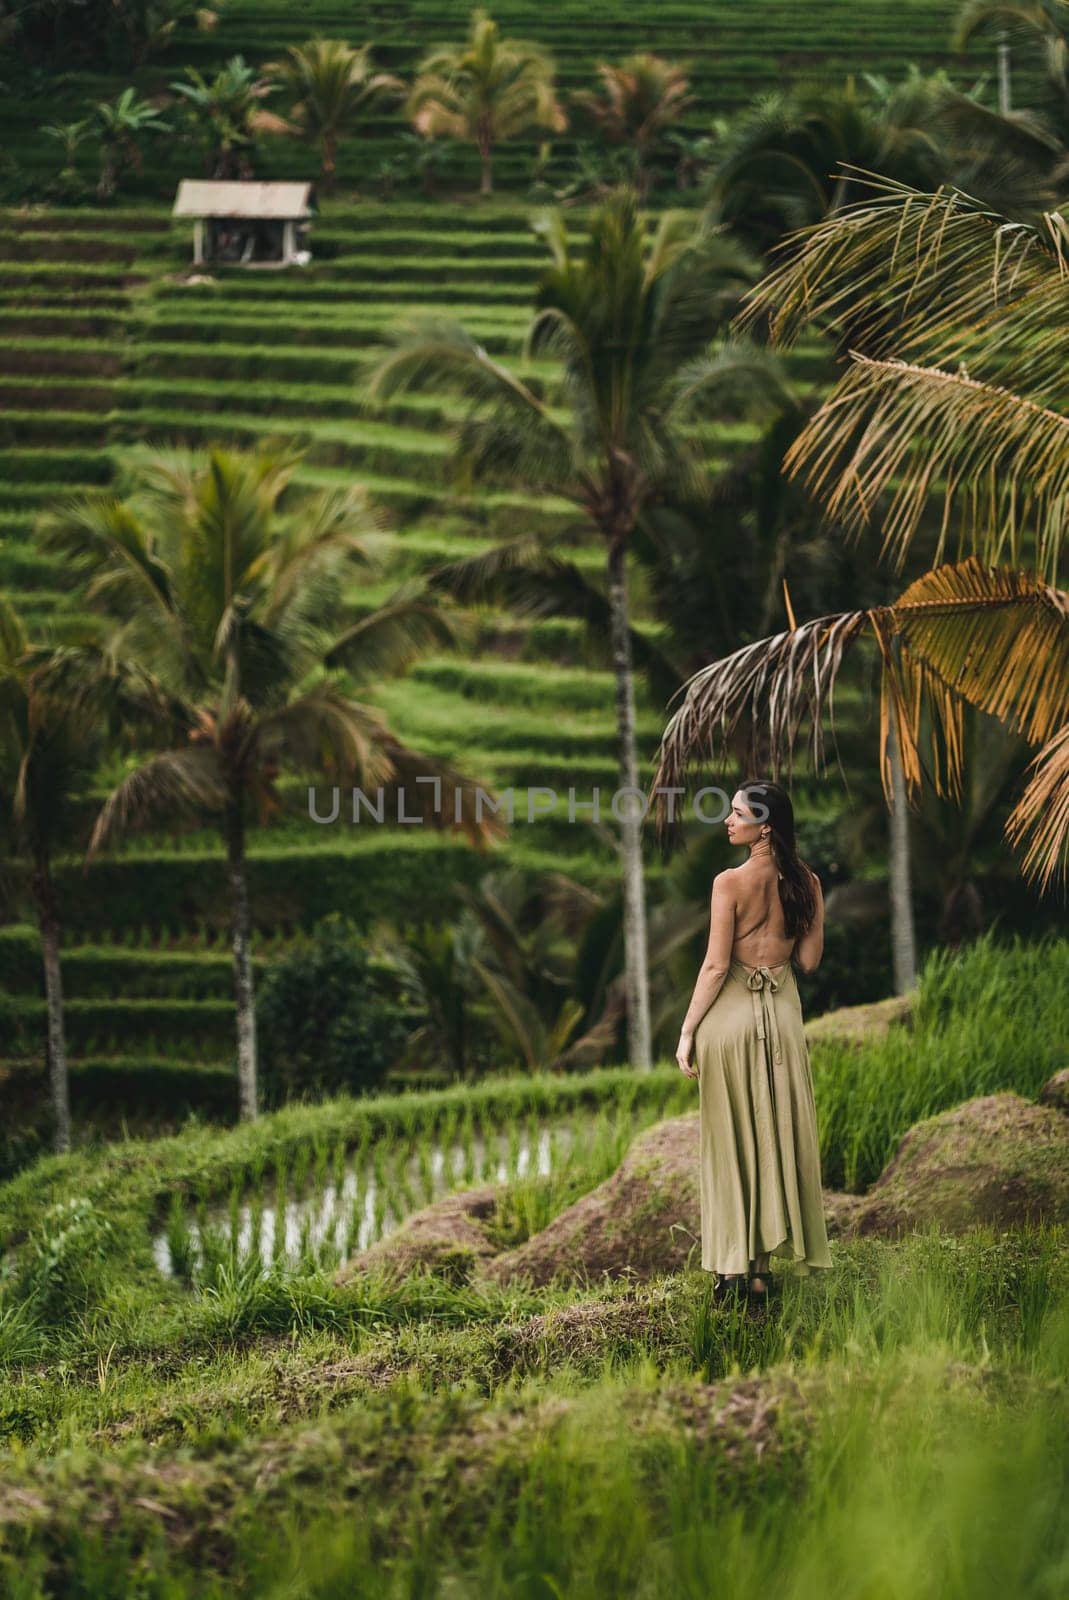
(966, 632)
(1040, 818)
(997, 638)
(908, 271)
(776, 683)
(1002, 461)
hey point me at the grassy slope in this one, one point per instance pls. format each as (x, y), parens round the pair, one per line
(861, 1438)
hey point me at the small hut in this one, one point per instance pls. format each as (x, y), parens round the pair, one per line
(247, 224)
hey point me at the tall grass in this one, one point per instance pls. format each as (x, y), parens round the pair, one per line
(908, 1440)
(991, 1017)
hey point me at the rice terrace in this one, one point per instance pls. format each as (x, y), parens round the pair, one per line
(534, 800)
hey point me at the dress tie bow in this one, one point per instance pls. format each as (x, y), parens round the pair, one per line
(762, 982)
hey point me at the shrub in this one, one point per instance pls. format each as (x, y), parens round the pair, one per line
(326, 1021)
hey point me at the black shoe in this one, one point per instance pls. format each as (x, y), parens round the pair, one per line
(761, 1296)
(730, 1287)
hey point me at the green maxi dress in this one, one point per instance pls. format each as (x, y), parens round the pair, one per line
(760, 1155)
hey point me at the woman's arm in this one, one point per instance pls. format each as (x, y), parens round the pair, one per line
(810, 947)
(717, 963)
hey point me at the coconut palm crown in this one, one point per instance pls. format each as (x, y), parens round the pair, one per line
(630, 319)
(485, 90)
(950, 411)
(332, 88)
(230, 599)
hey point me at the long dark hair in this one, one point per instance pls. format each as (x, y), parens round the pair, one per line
(797, 892)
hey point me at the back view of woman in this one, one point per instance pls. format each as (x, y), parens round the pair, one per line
(760, 1154)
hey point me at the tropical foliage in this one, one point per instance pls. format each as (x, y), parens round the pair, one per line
(228, 599)
(639, 101)
(484, 91)
(331, 88)
(49, 751)
(119, 126)
(632, 320)
(224, 116)
(954, 320)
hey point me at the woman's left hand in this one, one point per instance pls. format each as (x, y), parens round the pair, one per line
(684, 1051)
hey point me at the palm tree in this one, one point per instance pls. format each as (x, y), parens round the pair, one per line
(70, 135)
(1042, 22)
(49, 750)
(780, 164)
(225, 115)
(639, 100)
(1037, 138)
(230, 599)
(484, 91)
(631, 320)
(118, 125)
(530, 979)
(332, 88)
(955, 323)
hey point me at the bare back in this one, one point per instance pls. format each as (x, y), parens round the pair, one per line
(761, 939)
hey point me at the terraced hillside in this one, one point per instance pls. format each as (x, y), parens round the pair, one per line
(736, 50)
(110, 350)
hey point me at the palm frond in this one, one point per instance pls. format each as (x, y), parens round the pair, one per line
(1025, 21)
(997, 638)
(105, 541)
(330, 529)
(1040, 820)
(516, 1015)
(322, 729)
(1003, 461)
(175, 782)
(436, 792)
(394, 635)
(597, 1042)
(934, 278)
(769, 688)
(473, 580)
(507, 422)
(96, 680)
(13, 640)
(730, 377)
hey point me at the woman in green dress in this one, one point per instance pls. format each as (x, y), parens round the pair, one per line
(744, 1041)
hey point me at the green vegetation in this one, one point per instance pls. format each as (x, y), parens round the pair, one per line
(115, 352)
(440, 503)
(217, 1403)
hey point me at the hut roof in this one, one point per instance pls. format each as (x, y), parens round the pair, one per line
(280, 201)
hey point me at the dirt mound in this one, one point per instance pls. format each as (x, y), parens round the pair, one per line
(210, 1507)
(582, 1335)
(861, 1025)
(1055, 1092)
(643, 1221)
(998, 1159)
(447, 1237)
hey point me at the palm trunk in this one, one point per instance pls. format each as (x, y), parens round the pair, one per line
(486, 185)
(635, 955)
(48, 923)
(243, 998)
(903, 940)
(106, 186)
(330, 160)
